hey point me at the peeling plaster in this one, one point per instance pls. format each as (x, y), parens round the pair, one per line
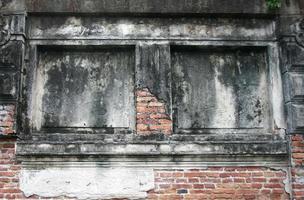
(286, 181)
(87, 183)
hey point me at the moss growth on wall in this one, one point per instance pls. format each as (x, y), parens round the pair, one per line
(273, 4)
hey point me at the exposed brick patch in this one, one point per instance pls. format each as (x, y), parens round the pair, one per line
(7, 113)
(220, 183)
(297, 147)
(151, 114)
(297, 155)
(9, 171)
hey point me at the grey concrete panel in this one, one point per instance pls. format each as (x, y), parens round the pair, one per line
(218, 88)
(85, 88)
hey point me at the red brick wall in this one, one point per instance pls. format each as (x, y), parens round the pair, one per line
(9, 170)
(220, 183)
(297, 143)
(297, 155)
(151, 116)
(7, 112)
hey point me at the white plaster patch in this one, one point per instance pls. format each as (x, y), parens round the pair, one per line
(87, 182)
(125, 29)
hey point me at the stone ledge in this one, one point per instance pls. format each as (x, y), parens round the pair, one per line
(233, 148)
(176, 145)
(157, 162)
(119, 137)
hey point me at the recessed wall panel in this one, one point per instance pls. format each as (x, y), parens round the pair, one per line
(220, 88)
(85, 88)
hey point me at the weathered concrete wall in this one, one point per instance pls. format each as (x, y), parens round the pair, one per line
(153, 92)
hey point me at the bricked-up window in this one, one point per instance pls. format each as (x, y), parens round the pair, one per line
(87, 87)
(220, 89)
